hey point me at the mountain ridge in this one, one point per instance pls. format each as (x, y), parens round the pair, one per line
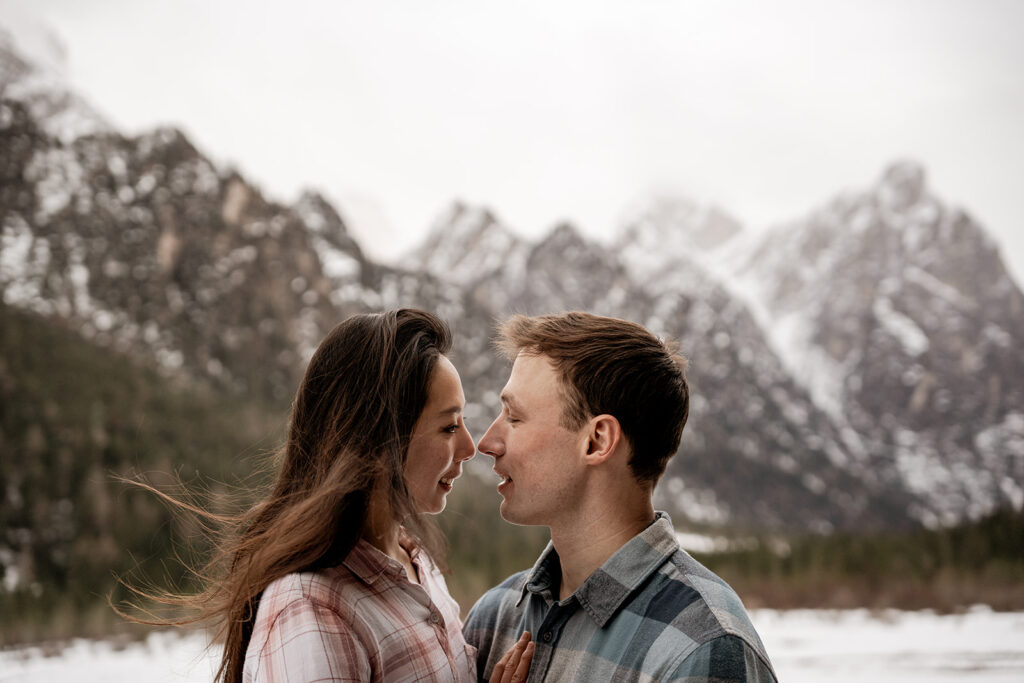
(146, 245)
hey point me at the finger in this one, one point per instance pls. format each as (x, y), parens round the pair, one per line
(523, 669)
(499, 668)
(515, 657)
(509, 661)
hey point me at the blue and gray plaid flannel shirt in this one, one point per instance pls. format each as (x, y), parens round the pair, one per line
(650, 613)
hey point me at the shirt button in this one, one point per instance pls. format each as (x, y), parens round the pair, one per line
(547, 637)
(434, 617)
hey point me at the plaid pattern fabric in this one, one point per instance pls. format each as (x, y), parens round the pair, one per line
(361, 621)
(650, 613)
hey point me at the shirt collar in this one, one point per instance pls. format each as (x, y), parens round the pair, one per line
(605, 591)
(368, 563)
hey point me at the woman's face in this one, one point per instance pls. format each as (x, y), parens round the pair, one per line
(440, 441)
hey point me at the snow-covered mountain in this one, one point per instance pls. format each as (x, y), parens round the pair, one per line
(897, 314)
(33, 70)
(853, 369)
(657, 231)
(752, 428)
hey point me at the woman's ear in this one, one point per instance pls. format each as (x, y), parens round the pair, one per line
(605, 434)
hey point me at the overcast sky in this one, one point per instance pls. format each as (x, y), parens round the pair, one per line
(547, 111)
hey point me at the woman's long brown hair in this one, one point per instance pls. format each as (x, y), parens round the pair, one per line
(349, 432)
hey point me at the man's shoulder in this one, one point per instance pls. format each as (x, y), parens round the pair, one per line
(695, 605)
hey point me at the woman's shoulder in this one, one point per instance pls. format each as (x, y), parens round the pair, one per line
(331, 588)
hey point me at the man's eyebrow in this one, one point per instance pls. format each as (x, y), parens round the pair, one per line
(509, 400)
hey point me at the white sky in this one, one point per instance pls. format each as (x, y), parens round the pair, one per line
(552, 110)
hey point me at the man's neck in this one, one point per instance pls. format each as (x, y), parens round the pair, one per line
(586, 542)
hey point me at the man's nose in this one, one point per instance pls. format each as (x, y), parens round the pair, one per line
(492, 443)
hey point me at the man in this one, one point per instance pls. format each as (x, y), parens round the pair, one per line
(591, 413)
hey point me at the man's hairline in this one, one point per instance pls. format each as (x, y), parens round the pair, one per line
(565, 386)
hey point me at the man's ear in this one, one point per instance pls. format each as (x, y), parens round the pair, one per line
(603, 438)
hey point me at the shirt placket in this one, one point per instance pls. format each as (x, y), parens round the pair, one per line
(434, 617)
(548, 633)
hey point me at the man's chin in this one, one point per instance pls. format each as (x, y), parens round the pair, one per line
(511, 516)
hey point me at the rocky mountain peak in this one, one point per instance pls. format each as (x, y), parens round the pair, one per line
(466, 243)
(896, 312)
(318, 214)
(165, 144)
(32, 43)
(566, 249)
(857, 370)
(901, 186)
(466, 223)
(678, 220)
(666, 229)
(33, 70)
(564, 236)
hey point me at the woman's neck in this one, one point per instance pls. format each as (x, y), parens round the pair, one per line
(383, 532)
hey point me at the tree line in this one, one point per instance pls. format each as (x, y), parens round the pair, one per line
(74, 418)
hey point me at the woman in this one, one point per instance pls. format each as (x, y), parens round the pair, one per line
(333, 576)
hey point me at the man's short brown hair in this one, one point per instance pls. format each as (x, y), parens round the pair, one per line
(614, 367)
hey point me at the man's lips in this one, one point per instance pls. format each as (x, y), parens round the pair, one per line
(505, 480)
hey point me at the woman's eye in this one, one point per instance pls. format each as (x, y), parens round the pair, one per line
(451, 429)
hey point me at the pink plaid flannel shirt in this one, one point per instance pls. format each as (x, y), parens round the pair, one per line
(361, 621)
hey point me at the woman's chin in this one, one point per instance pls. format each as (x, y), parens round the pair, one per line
(432, 507)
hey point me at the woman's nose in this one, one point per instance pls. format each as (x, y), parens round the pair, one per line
(467, 449)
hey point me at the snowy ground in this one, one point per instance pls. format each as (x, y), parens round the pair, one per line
(855, 645)
(805, 645)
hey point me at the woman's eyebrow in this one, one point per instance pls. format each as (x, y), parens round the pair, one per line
(449, 411)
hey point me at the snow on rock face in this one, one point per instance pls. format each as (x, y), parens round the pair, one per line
(660, 230)
(902, 186)
(467, 244)
(58, 178)
(901, 327)
(340, 256)
(24, 261)
(845, 368)
(907, 300)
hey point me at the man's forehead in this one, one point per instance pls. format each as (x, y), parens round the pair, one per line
(531, 372)
(531, 362)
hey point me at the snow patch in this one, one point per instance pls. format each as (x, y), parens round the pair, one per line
(938, 288)
(336, 264)
(911, 338)
(809, 364)
(58, 177)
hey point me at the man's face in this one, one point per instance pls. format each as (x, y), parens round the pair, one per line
(539, 460)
